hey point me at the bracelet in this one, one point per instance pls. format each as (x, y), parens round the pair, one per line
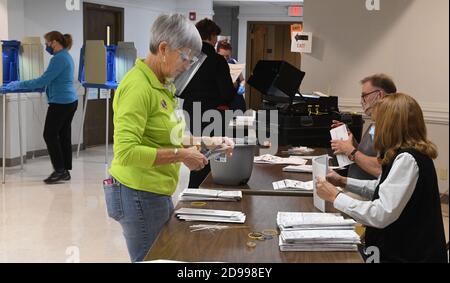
(339, 192)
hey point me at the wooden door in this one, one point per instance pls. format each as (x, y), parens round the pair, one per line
(97, 20)
(268, 41)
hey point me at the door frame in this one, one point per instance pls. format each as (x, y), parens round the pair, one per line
(248, 62)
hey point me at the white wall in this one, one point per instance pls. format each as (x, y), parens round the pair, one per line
(3, 19)
(226, 19)
(203, 8)
(407, 39)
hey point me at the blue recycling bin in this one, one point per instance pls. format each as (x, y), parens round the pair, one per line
(111, 63)
(10, 60)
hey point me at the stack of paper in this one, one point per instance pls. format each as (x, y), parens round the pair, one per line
(271, 159)
(210, 195)
(316, 232)
(210, 215)
(300, 150)
(305, 168)
(292, 185)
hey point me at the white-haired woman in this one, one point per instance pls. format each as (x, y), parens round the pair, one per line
(148, 136)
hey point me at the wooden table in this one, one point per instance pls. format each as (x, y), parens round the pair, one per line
(263, 176)
(176, 242)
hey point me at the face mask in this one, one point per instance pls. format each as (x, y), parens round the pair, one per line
(368, 109)
(50, 50)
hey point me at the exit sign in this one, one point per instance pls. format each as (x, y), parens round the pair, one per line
(295, 11)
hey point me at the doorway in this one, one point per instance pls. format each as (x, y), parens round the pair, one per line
(99, 21)
(268, 41)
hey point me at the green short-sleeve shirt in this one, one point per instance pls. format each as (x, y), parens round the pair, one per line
(145, 120)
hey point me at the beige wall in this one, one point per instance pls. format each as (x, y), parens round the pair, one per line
(407, 39)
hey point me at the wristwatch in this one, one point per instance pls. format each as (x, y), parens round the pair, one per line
(352, 155)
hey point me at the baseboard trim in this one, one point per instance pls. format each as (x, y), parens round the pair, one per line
(13, 162)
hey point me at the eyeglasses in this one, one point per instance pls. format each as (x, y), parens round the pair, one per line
(364, 95)
(186, 58)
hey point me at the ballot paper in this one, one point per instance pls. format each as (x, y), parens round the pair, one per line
(288, 221)
(271, 159)
(305, 168)
(320, 169)
(210, 215)
(316, 232)
(236, 70)
(209, 195)
(292, 185)
(300, 150)
(319, 240)
(341, 134)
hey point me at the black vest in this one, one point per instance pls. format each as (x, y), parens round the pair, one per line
(418, 234)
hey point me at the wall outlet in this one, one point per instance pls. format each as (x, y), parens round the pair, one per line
(443, 174)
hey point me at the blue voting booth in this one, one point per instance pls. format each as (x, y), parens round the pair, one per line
(10, 60)
(109, 84)
(11, 66)
(11, 52)
(111, 81)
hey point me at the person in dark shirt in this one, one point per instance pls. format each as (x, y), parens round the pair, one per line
(210, 89)
(224, 48)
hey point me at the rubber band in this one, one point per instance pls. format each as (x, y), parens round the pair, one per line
(198, 204)
(255, 235)
(270, 232)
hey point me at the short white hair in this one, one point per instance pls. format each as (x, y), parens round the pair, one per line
(177, 31)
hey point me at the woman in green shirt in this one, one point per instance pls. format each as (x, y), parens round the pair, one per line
(148, 136)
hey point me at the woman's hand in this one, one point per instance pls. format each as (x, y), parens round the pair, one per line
(326, 191)
(193, 159)
(336, 179)
(219, 143)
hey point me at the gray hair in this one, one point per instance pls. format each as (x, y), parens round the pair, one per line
(177, 31)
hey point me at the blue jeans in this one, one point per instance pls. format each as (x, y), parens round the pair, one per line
(141, 215)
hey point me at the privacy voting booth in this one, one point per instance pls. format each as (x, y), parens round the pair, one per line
(103, 67)
(21, 60)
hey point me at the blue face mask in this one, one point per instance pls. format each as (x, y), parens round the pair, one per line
(50, 50)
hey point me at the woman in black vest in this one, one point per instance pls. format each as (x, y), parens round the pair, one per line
(403, 215)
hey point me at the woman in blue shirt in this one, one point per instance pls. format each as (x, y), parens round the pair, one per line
(63, 102)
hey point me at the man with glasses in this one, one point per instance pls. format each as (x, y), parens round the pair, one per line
(366, 166)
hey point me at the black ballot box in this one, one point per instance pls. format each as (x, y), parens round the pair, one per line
(311, 131)
(276, 80)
